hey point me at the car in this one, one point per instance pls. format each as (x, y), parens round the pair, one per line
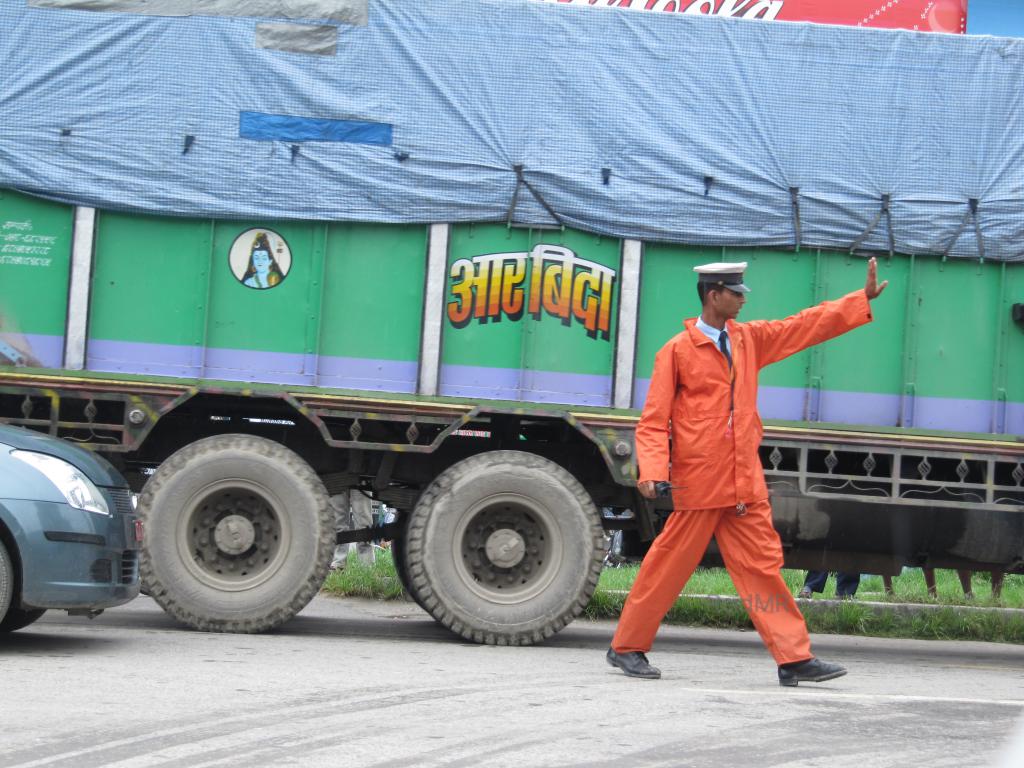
(69, 534)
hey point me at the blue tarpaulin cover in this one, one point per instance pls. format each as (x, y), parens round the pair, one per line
(655, 126)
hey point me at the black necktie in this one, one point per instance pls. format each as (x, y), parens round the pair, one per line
(723, 337)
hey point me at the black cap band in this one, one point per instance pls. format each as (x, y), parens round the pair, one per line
(725, 278)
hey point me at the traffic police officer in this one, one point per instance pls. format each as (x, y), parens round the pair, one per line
(703, 395)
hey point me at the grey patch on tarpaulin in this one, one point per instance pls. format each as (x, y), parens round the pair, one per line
(343, 11)
(319, 40)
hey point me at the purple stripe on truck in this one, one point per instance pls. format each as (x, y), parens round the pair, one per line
(787, 403)
(363, 373)
(1015, 418)
(43, 349)
(249, 365)
(525, 385)
(952, 415)
(254, 366)
(140, 357)
(857, 408)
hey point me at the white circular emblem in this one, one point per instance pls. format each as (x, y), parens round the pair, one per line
(260, 258)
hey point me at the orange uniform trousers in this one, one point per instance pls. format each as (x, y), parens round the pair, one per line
(752, 553)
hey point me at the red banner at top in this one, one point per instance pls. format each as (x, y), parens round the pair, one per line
(922, 15)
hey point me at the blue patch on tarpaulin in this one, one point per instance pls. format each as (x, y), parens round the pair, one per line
(264, 127)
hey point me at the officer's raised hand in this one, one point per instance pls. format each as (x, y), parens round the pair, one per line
(871, 287)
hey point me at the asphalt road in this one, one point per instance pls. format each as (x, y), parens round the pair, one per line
(360, 683)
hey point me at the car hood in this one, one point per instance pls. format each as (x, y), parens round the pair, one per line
(95, 467)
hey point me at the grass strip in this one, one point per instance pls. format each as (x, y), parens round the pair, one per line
(379, 581)
(907, 588)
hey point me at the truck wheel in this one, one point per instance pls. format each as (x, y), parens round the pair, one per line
(504, 548)
(238, 534)
(19, 618)
(401, 560)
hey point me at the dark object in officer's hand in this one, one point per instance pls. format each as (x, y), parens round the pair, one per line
(663, 489)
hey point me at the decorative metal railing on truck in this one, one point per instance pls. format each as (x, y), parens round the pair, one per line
(399, 310)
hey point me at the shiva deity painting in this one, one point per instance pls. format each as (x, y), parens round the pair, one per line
(260, 258)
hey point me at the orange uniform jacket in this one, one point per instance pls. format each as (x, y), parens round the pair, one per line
(714, 464)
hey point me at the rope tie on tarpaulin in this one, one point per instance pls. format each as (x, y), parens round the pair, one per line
(971, 213)
(886, 211)
(794, 201)
(522, 182)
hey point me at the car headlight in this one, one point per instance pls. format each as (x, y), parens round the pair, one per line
(76, 487)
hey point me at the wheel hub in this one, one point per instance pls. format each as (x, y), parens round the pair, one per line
(234, 535)
(508, 548)
(505, 548)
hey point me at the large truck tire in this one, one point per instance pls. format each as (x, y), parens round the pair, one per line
(504, 548)
(401, 560)
(238, 534)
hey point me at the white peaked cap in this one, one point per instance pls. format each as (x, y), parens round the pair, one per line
(725, 273)
(721, 268)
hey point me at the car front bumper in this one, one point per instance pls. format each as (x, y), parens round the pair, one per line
(71, 559)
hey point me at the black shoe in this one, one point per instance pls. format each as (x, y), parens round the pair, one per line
(810, 671)
(634, 664)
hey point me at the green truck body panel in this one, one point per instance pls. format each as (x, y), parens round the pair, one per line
(521, 334)
(346, 311)
(528, 315)
(943, 352)
(35, 253)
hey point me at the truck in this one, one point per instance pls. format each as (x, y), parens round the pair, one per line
(396, 283)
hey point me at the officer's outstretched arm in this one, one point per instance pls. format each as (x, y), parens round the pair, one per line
(777, 339)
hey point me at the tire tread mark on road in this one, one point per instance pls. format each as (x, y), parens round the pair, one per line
(820, 694)
(481, 758)
(439, 756)
(57, 744)
(554, 692)
(104, 753)
(297, 746)
(293, 747)
(872, 735)
(425, 759)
